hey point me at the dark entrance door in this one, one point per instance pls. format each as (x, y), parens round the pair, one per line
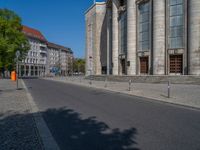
(144, 65)
(123, 64)
(176, 64)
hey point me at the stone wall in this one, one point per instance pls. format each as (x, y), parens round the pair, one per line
(150, 79)
(94, 22)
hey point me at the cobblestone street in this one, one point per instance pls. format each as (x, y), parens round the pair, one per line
(17, 126)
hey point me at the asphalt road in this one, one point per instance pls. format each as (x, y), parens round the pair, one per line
(89, 119)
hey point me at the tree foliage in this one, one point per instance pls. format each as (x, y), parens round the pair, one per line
(79, 65)
(11, 39)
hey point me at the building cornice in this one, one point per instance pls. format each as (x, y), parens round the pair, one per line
(56, 46)
(95, 4)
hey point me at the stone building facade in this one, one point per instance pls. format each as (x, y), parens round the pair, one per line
(60, 58)
(43, 55)
(95, 18)
(144, 37)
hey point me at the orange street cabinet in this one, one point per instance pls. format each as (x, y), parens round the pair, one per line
(13, 76)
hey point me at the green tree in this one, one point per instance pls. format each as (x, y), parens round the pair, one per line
(79, 65)
(11, 39)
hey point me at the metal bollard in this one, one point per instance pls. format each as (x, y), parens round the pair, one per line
(129, 85)
(168, 90)
(106, 83)
(90, 81)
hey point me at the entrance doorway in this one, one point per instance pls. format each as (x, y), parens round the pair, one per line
(176, 64)
(144, 65)
(123, 66)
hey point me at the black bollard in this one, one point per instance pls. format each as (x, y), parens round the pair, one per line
(169, 88)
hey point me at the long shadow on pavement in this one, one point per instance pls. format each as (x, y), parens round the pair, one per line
(72, 132)
(69, 129)
(18, 132)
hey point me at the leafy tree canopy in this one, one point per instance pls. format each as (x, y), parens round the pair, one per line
(79, 65)
(11, 39)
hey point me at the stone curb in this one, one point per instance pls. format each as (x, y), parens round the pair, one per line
(44, 132)
(130, 94)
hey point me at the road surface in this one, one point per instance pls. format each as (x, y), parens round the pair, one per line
(81, 118)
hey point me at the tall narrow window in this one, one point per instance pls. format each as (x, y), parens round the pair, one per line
(176, 24)
(123, 33)
(144, 26)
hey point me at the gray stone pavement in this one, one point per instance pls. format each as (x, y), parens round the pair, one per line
(18, 129)
(182, 94)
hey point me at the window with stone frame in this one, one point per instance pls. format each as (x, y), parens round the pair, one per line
(144, 26)
(176, 24)
(123, 33)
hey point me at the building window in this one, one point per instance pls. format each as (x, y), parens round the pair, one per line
(122, 2)
(144, 26)
(123, 33)
(176, 24)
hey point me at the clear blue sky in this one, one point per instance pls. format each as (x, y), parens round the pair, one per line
(61, 21)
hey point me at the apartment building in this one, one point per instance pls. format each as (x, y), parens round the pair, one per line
(60, 59)
(35, 63)
(43, 56)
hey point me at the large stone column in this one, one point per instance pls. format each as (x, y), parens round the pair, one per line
(194, 37)
(100, 35)
(39, 71)
(131, 37)
(108, 40)
(115, 40)
(159, 37)
(34, 70)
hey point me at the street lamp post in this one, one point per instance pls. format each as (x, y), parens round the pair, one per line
(17, 67)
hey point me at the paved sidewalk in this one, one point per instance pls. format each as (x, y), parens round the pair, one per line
(17, 126)
(182, 94)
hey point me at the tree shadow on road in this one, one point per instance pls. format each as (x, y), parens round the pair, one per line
(73, 132)
(70, 130)
(18, 132)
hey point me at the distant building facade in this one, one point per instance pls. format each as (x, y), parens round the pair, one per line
(35, 63)
(42, 54)
(143, 37)
(60, 59)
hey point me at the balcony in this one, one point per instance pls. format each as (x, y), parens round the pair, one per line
(42, 61)
(43, 45)
(43, 51)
